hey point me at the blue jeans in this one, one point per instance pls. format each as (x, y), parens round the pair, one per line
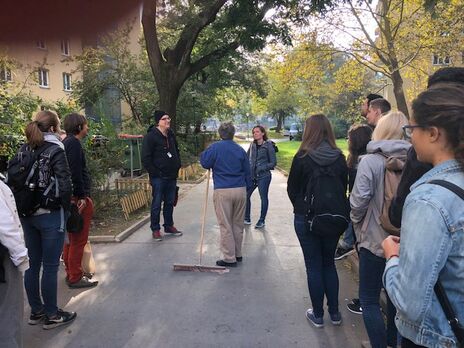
(163, 190)
(44, 237)
(371, 268)
(263, 187)
(318, 252)
(349, 238)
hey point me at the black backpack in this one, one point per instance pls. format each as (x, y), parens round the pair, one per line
(274, 145)
(328, 207)
(23, 179)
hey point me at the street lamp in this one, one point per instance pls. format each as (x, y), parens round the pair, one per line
(247, 126)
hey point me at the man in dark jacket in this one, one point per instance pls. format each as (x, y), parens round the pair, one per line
(161, 159)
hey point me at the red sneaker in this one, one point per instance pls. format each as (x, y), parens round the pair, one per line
(172, 231)
(157, 236)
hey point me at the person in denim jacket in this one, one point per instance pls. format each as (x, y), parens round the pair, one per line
(262, 160)
(432, 235)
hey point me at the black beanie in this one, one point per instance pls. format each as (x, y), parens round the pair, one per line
(158, 114)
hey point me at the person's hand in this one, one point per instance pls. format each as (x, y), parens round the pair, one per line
(81, 204)
(391, 246)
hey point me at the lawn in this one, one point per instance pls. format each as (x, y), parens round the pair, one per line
(287, 150)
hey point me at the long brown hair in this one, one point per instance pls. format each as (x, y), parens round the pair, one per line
(442, 106)
(359, 136)
(43, 122)
(317, 129)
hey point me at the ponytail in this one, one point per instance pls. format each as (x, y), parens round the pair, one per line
(43, 122)
(34, 135)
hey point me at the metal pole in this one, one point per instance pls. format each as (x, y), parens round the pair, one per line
(131, 160)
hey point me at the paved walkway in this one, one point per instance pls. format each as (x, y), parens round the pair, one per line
(142, 302)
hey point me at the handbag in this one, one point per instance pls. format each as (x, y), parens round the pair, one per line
(451, 316)
(88, 262)
(75, 221)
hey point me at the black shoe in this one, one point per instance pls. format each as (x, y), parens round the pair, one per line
(36, 318)
(61, 318)
(340, 253)
(355, 306)
(226, 264)
(84, 282)
(239, 258)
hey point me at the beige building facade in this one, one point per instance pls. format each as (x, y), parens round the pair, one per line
(47, 68)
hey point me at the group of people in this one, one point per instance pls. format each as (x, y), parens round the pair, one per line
(62, 173)
(427, 210)
(236, 175)
(427, 250)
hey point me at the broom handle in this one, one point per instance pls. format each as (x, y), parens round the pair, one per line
(205, 207)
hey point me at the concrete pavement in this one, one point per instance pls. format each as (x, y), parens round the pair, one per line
(142, 302)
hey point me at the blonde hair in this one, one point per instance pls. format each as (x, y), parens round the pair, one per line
(43, 122)
(390, 126)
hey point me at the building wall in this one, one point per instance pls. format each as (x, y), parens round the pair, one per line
(27, 58)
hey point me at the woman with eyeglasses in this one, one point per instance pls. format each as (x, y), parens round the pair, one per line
(432, 235)
(366, 202)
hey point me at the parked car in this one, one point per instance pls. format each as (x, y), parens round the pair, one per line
(292, 131)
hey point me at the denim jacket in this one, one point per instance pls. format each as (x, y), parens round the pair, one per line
(432, 245)
(262, 160)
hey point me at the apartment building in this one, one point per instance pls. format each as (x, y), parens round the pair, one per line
(46, 67)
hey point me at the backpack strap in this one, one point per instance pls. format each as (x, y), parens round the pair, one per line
(451, 316)
(450, 186)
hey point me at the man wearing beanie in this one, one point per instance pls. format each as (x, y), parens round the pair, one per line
(160, 157)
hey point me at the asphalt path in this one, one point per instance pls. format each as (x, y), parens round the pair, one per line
(142, 302)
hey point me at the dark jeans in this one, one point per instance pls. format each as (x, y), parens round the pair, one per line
(163, 190)
(263, 188)
(371, 268)
(44, 236)
(321, 273)
(349, 238)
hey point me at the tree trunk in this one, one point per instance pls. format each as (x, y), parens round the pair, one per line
(401, 103)
(280, 121)
(168, 101)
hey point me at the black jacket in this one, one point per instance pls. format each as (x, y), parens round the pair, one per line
(160, 154)
(79, 173)
(300, 173)
(60, 170)
(412, 171)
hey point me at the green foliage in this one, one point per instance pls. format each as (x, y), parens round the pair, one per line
(15, 112)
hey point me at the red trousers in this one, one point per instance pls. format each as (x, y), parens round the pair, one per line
(72, 252)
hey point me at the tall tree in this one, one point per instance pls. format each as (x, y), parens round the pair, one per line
(404, 30)
(209, 31)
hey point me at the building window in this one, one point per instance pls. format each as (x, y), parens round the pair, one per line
(65, 47)
(439, 60)
(41, 44)
(5, 74)
(43, 78)
(67, 82)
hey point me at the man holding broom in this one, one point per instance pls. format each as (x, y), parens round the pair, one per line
(231, 175)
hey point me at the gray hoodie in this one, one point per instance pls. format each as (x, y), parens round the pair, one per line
(367, 197)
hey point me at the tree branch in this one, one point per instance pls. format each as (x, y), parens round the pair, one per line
(210, 57)
(151, 36)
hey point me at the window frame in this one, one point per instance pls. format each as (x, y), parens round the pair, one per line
(65, 47)
(41, 44)
(67, 85)
(5, 74)
(41, 73)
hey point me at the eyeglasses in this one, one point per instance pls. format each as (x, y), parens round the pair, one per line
(408, 129)
(167, 118)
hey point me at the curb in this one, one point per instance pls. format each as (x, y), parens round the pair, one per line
(284, 172)
(121, 236)
(130, 230)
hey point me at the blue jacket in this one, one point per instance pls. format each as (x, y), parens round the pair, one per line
(229, 163)
(432, 245)
(262, 159)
